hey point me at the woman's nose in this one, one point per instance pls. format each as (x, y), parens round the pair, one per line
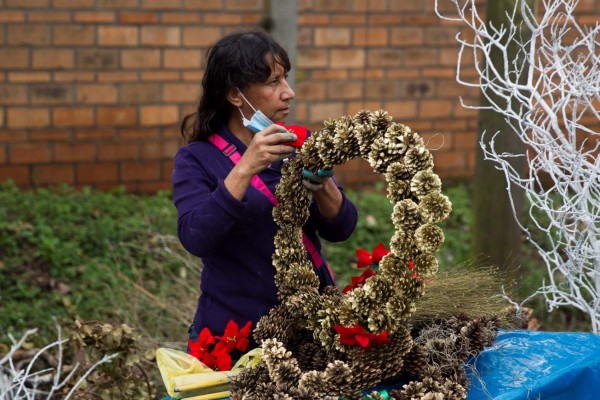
(288, 92)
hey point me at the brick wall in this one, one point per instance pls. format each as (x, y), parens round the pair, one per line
(92, 91)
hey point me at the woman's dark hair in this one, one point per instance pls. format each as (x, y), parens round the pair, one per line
(236, 60)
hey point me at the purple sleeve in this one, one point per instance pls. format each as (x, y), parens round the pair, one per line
(341, 227)
(206, 209)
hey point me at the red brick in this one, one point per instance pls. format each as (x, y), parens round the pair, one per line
(161, 76)
(139, 133)
(192, 76)
(28, 77)
(159, 115)
(161, 36)
(140, 58)
(87, 173)
(12, 16)
(344, 90)
(70, 76)
(48, 16)
(140, 93)
(2, 123)
(14, 58)
(332, 36)
(26, 4)
(52, 174)
(75, 35)
(223, 19)
(73, 116)
(53, 59)
(406, 36)
(319, 112)
(435, 108)
(119, 36)
(348, 19)
(401, 109)
(117, 4)
(10, 135)
(28, 35)
(348, 58)
(140, 171)
(49, 135)
(181, 18)
(28, 153)
(407, 5)
(370, 37)
(371, 74)
(329, 74)
(29, 117)
(439, 72)
(141, 18)
(182, 58)
(203, 4)
(440, 36)
(95, 17)
(200, 36)
(73, 3)
(96, 94)
(157, 150)
(161, 4)
(167, 169)
(387, 19)
(313, 20)
(51, 94)
(311, 58)
(3, 156)
(383, 89)
(13, 94)
(94, 133)
(428, 20)
(179, 93)
(333, 5)
(18, 174)
(116, 116)
(117, 151)
(117, 76)
(243, 5)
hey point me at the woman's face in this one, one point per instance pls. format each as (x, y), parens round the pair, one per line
(272, 97)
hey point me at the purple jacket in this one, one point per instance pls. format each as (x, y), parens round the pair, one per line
(235, 238)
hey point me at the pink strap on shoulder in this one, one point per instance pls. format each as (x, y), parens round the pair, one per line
(229, 150)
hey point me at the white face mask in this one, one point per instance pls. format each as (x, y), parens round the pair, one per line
(258, 121)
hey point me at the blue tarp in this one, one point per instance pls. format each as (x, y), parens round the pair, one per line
(537, 365)
(530, 365)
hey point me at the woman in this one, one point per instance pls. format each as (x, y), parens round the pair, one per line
(222, 216)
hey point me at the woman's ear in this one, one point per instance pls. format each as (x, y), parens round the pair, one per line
(234, 97)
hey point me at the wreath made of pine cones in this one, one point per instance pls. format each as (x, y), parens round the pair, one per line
(301, 349)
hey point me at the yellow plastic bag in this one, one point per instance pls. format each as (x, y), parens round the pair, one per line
(185, 376)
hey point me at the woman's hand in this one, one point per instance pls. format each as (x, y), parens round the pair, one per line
(265, 148)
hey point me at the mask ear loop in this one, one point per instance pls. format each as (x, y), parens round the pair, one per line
(246, 100)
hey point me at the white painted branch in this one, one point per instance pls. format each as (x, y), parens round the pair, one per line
(562, 183)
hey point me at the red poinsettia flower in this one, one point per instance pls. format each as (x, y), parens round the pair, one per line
(357, 335)
(365, 258)
(222, 359)
(300, 132)
(201, 346)
(234, 338)
(359, 281)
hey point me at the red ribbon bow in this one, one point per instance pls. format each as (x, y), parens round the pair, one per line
(365, 258)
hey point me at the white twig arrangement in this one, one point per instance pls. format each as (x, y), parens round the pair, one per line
(26, 382)
(551, 101)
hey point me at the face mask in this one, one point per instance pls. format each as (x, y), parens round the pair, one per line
(258, 122)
